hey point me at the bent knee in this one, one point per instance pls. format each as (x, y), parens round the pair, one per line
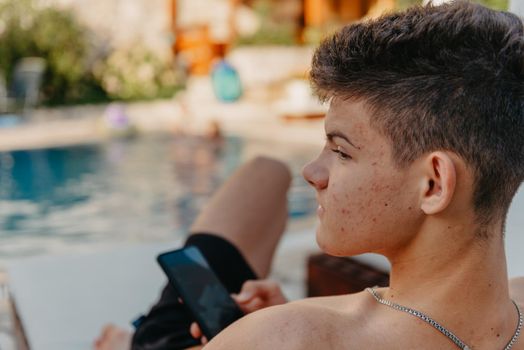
(274, 167)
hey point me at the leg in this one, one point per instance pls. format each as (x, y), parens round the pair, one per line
(250, 211)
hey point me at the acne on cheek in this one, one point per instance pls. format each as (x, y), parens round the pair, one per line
(363, 208)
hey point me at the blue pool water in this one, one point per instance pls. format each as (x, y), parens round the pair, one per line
(124, 191)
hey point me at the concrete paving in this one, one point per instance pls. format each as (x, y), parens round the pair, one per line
(78, 294)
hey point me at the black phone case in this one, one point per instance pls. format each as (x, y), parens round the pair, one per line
(188, 300)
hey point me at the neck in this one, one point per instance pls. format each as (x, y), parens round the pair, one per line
(457, 279)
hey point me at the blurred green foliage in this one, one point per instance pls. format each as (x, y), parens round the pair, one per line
(74, 74)
(137, 73)
(271, 32)
(26, 30)
(403, 4)
(494, 4)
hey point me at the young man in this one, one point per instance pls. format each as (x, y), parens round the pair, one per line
(424, 153)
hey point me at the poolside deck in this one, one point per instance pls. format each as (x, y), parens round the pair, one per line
(76, 125)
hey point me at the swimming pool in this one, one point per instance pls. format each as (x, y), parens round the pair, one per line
(145, 189)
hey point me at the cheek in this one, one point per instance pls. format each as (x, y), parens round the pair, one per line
(361, 203)
(365, 210)
(364, 213)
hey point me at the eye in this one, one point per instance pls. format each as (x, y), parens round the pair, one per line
(340, 154)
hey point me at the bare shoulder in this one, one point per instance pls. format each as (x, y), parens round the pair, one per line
(348, 303)
(271, 327)
(305, 324)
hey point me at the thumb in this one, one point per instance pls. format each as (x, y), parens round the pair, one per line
(251, 289)
(257, 288)
(244, 296)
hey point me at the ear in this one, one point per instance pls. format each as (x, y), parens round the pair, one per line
(440, 179)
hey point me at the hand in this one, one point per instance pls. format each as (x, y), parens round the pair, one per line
(259, 294)
(196, 332)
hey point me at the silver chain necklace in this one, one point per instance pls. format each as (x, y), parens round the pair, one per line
(441, 328)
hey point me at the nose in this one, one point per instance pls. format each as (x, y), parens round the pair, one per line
(316, 174)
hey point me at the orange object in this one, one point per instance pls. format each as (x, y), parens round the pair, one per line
(319, 12)
(193, 44)
(316, 12)
(351, 11)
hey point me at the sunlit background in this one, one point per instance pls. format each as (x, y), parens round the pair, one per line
(119, 119)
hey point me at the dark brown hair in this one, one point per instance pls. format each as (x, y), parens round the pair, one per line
(447, 77)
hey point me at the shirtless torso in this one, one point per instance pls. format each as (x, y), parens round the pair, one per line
(353, 321)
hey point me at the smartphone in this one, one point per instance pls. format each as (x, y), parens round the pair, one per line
(200, 289)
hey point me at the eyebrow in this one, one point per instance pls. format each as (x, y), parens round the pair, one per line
(331, 135)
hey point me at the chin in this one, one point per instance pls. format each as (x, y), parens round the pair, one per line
(329, 245)
(321, 241)
(336, 247)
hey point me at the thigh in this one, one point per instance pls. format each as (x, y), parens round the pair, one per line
(250, 211)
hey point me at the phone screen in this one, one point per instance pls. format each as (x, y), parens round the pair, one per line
(202, 292)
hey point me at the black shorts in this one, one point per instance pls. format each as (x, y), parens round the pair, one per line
(166, 326)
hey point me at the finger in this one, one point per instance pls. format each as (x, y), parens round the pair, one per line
(195, 331)
(254, 305)
(243, 308)
(240, 300)
(241, 305)
(245, 295)
(203, 340)
(263, 289)
(265, 286)
(250, 289)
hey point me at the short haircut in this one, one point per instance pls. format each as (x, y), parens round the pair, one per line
(446, 77)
